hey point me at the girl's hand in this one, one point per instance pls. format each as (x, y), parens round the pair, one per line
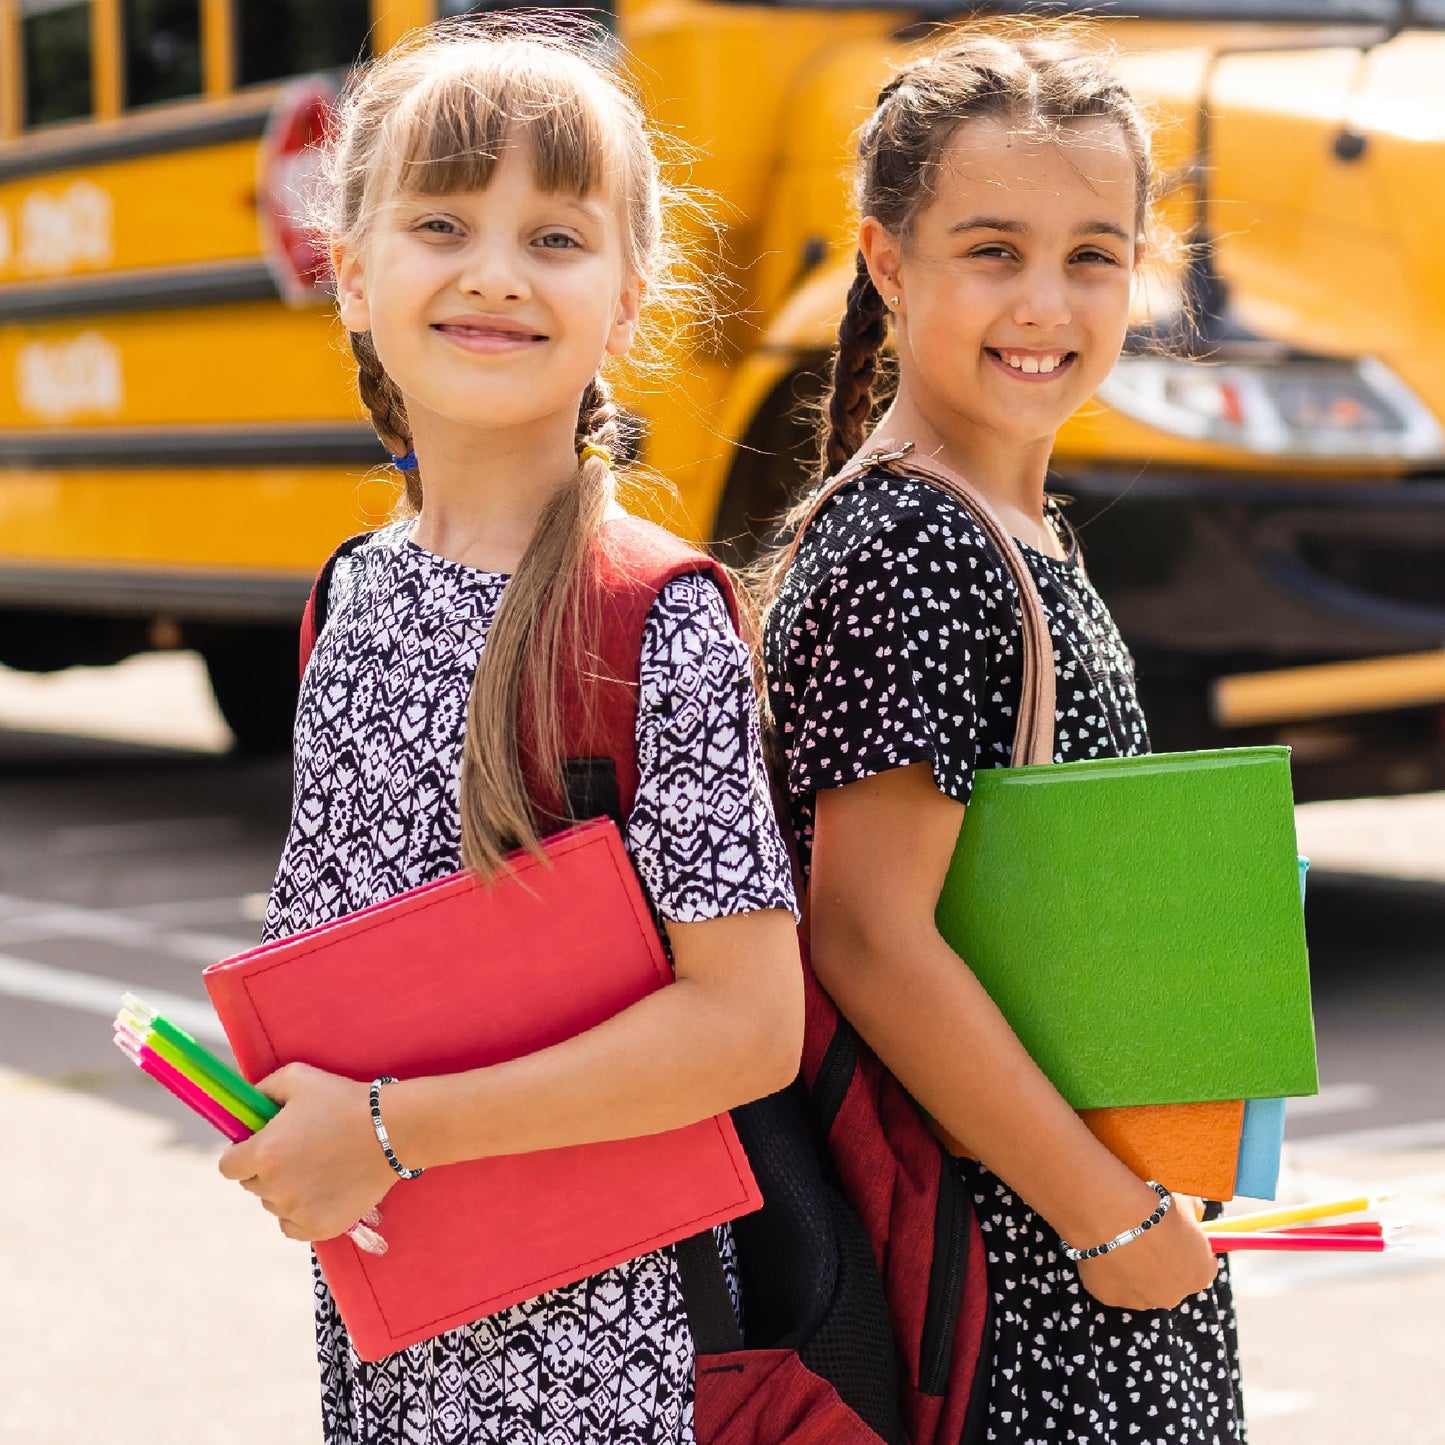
(316, 1166)
(1157, 1271)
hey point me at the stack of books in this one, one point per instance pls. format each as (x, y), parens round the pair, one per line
(1140, 923)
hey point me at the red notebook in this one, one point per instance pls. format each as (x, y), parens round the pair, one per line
(455, 975)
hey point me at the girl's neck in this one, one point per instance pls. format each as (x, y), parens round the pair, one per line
(1010, 473)
(483, 489)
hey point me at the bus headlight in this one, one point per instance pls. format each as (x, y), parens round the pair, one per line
(1314, 407)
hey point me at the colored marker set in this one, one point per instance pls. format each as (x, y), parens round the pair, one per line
(1299, 1228)
(206, 1085)
(190, 1071)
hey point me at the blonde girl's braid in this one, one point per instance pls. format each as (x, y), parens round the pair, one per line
(381, 398)
(861, 334)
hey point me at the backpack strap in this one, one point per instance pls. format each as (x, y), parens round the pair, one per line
(313, 619)
(1034, 727)
(632, 562)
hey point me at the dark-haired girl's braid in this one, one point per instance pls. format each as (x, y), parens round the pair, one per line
(849, 406)
(388, 411)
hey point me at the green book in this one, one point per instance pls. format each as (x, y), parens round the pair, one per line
(1139, 923)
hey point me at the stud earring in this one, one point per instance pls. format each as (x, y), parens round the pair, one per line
(893, 302)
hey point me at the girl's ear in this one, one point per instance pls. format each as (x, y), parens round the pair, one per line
(884, 256)
(350, 289)
(1141, 249)
(624, 319)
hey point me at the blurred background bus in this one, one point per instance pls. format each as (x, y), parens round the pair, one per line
(1264, 508)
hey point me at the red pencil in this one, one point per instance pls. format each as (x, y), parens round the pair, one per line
(1299, 1241)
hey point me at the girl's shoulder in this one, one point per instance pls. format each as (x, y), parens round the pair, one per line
(894, 533)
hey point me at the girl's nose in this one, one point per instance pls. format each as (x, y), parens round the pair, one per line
(1042, 301)
(491, 273)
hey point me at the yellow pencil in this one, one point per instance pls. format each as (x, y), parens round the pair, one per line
(1293, 1214)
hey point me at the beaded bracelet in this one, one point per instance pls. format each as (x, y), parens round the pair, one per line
(380, 1128)
(1166, 1201)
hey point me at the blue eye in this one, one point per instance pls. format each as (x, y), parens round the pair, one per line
(556, 241)
(437, 226)
(1103, 256)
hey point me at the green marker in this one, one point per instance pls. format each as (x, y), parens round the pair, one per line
(200, 1065)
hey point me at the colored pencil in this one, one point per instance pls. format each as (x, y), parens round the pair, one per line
(1301, 1243)
(1292, 1214)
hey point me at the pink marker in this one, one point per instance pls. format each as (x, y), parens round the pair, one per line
(187, 1092)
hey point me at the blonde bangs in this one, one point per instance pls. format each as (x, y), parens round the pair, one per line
(453, 126)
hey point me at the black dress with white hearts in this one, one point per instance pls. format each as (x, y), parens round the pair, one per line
(895, 640)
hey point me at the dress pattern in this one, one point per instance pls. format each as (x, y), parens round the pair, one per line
(378, 739)
(895, 640)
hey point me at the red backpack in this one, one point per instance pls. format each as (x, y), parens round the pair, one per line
(865, 1297)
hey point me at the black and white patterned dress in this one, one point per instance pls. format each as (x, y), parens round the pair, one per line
(895, 640)
(378, 753)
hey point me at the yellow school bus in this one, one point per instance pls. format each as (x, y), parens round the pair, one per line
(180, 443)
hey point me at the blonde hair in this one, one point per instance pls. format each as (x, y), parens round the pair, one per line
(430, 117)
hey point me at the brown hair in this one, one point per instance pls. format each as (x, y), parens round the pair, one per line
(429, 117)
(1038, 83)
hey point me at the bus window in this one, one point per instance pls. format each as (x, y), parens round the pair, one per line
(278, 38)
(162, 50)
(56, 44)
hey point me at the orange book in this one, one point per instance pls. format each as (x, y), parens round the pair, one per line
(456, 975)
(1189, 1148)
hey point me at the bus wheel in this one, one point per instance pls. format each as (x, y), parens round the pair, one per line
(253, 675)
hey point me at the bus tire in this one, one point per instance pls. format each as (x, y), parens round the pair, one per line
(253, 676)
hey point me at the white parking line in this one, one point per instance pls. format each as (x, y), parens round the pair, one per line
(94, 993)
(23, 921)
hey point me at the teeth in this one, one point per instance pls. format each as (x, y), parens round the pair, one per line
(1032, 365)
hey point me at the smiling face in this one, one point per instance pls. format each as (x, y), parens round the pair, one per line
(492, 308)
(1013, 281)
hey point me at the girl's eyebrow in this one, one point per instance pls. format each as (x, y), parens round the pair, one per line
(1021, 228)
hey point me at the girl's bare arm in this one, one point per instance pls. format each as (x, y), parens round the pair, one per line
(880, 854)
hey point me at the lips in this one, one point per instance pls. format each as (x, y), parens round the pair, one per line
(489, 335)
(1034, 366)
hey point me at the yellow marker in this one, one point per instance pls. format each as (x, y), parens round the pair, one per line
(1294, 1214)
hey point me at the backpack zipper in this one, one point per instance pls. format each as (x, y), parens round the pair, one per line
(835, 1073)
(945, 1283)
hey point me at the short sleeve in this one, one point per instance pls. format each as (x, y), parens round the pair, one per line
(889, 663)
(702, 832)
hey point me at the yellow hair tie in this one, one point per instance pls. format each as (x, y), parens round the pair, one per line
(593, 450)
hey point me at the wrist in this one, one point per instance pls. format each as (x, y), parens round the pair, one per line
(1078, 1253)
(382, 1124)
(1105, 1208)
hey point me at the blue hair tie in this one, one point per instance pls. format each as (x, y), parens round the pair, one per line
(406, 463)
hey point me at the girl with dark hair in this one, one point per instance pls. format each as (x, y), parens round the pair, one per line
(499, 230)
(1004, 189)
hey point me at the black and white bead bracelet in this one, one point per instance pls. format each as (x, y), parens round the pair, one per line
(380, 1128)
(1166, 1201)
